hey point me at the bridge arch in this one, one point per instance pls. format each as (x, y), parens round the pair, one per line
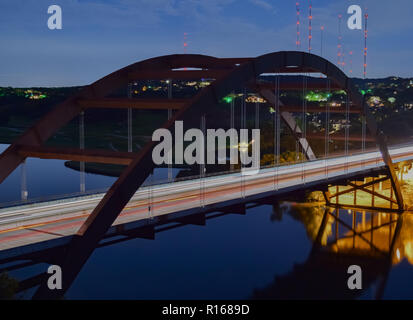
(227, 72)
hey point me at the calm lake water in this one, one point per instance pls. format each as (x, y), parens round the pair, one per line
(267, 253)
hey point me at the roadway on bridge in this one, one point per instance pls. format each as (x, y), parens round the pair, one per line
(35, 223)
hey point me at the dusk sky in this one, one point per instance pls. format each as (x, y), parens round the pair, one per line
(99, 37)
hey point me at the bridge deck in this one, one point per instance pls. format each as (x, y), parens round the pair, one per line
(41, 222)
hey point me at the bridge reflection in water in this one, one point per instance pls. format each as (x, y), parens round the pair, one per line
(374, 241)
(341, 238)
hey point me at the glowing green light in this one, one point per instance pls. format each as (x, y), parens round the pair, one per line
(317, 97)
(228, 99)
(363, 92)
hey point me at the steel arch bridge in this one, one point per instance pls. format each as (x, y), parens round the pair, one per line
(228, 73)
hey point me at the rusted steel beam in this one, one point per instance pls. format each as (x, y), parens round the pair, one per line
(341, 137)
(299, 69)
(374, 193)
(290, 121)
(178, 74)
(180, 61)
(37, 135)
(365, 185)
(354, 187)
(296, 85)
(67, 110)
(364, 208)
(125, 103)
(97, 156)
(233, 61)
(319, 109)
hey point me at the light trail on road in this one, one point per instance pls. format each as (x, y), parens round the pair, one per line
(39, 222)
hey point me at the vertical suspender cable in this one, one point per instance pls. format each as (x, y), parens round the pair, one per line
(82, 147)
(24, 192)
(257, 115)
(257, 126)
(129, 120)
(363, 134)
(243, 126)
(169, 117)
(277, 131)
(363, 125)
(304, 143)
(202, 166)
(129, 129)
(347, 129)
(327, 132)
(240, 141)
(297, 150)
(150, 194)
(365, 45)
(244, 110)
(232, 126)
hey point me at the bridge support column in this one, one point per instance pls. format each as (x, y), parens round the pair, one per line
(382, 144)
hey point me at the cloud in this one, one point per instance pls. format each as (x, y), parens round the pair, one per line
(264, 5)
